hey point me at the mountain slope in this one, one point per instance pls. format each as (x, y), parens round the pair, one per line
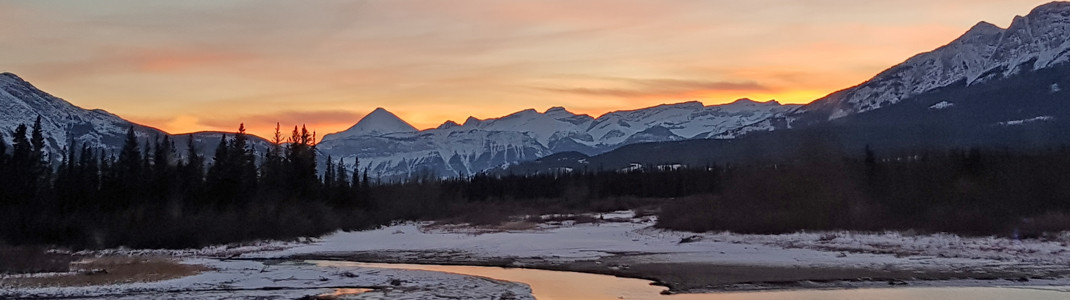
(985, 52)
(378, 122)
(1026, 111)
(63, 123)
(476, 146)
(992, 87)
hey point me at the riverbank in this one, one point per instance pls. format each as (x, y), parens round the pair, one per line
(624, 244)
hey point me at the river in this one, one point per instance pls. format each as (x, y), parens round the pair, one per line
(558, 285)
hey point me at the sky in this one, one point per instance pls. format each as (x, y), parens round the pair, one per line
(185, 66)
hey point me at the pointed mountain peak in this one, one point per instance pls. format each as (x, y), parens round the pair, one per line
(471, 121)
(378, 122)
(984, 28)
(448, 124)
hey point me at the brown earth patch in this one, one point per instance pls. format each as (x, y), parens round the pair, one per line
(109, 270)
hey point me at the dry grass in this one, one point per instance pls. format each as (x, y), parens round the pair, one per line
(110, 270)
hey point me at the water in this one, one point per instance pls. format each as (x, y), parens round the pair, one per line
(557, 285)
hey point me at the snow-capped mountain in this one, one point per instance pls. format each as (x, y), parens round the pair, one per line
(61, 121)
(1038, 40)
(378, 122)
(390, 148)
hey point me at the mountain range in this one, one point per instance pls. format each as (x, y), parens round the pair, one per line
(65, 124)
(388, 147)
(991, 86)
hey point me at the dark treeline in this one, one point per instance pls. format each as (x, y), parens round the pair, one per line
(148, 195)
(970, 192)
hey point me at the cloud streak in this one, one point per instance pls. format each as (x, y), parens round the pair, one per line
(299, 62)
(644, 88)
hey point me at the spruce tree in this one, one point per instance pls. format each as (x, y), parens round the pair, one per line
(21, 167)
(127, 171)
(38, 141)
(328, 175)
(272, 175)
(218, 185)
(243, 158)
(301, 159)
(193, 175)
(4, 170)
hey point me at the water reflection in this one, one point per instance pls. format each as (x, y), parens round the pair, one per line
(344, 292)
(556, 285)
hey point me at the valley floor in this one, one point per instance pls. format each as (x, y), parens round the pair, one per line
(619, 243)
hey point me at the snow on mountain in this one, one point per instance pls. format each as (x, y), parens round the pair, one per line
(1038, 40)
(61, 121)
(453, 149)
(378, 122)
(684, 120)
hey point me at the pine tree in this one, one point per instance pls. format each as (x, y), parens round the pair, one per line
(24, 181)
(340, 178)
(244, 158)
(342, 196)
(218, 185)
(4, 171)
(356, 173)
(88, 182)
(38, 141)
(65, 184)
(193, 176)
(163, 169)
(328, 175)
(272, 174)
(128, 171)
(303, 183)
(40, 168)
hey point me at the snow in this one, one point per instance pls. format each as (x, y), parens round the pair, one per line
(22, 103)
(985, 52)
(568, 242)
(942, 105)
(480, 145)
(378, 122)
(1026, 121)
(266, 269)
(291, 280)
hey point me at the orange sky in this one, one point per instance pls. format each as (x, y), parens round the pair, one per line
(208, 65)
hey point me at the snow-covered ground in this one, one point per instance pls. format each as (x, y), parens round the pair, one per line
(567, 241)
(278, 268)
(291, 280)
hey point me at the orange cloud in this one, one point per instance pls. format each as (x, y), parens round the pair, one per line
(262, 125)
(662, 88)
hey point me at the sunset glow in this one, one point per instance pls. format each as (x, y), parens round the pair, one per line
(186, 66)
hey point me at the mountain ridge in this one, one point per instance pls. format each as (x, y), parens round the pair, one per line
(983, 52)
(453, 149)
